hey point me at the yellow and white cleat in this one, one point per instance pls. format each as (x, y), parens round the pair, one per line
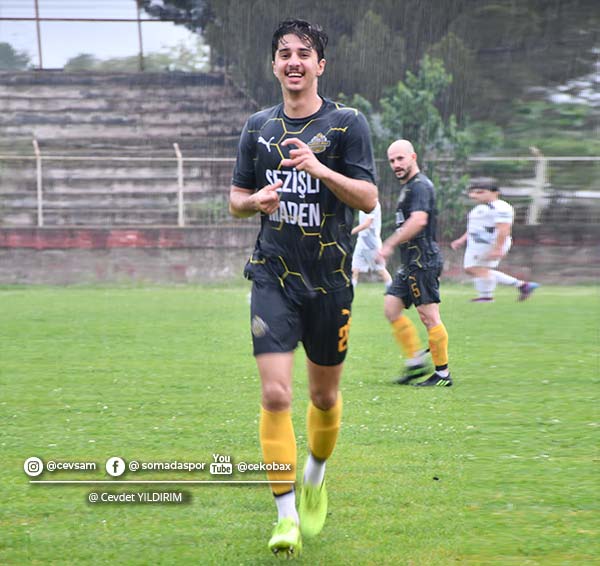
(286, 539)
(312, 509)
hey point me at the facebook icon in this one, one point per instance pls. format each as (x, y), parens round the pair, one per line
(115, 466)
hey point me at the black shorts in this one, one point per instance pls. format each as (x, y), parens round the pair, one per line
(418, 287)
(279, 320)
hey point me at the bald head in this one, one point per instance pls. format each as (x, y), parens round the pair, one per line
(401, 145)
(403, 160)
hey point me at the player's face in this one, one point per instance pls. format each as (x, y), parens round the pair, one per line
(296, 64)
(402, 162)
(481, 196)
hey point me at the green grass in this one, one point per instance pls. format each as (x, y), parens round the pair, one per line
(167, 373)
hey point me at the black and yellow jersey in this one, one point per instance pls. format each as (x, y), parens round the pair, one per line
(422, 252)
(305, 245)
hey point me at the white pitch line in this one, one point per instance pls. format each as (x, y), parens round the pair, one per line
(152, 481)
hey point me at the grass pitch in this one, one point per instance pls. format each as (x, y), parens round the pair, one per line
(496, 470)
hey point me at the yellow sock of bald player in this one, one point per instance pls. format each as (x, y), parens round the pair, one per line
(438, 346)
(407, 336)
(323, 428)
(278, 443)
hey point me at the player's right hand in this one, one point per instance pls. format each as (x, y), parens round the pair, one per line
(385, 252)
(267, 198)
(455, 244)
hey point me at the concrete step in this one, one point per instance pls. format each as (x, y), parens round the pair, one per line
(147, 197)
(147, 146)
(108, 217)
(120, 129)
(23, 119)
(72, 170)
(197, 102)
(117, 115)
(67, 188)
(105, 79)
(123, 201)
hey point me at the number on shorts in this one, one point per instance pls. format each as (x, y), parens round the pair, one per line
(344, 332)
(414, 288)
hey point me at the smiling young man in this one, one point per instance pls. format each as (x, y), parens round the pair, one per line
(304, 165)
(417, 281)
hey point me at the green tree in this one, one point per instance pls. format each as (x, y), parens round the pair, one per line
(409, 111)
(11, 59)
(409, 108)
(369, 46)
(81, 62)
(193, 14)
(180, 57)
(495, 49)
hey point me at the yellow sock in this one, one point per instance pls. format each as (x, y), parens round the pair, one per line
(278, 443)
(438, 345)
(407, 336)
(323, 428)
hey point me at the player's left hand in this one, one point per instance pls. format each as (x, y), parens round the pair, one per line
(302, 158)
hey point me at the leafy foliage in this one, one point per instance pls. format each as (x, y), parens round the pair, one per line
(11, 59)
(493, 48)
(409, 111)
(193, 14)
(181, 57)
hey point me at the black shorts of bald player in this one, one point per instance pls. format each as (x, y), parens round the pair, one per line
(417, 281)
(304, 165)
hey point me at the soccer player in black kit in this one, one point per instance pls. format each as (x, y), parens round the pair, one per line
(304, 165)
(417, 281)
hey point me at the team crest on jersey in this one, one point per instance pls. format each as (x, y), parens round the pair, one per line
(319, 143)
(259, 327)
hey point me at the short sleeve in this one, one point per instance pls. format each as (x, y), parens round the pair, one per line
(422, 198)
(243, 172)
(357, 156)
(503, 213)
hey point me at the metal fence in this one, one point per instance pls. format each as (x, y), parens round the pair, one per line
(36, 16)
(62, 190)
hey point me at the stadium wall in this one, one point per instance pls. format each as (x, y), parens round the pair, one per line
(169, 255)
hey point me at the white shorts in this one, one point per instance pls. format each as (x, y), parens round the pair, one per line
(476, 253)
(364, 259)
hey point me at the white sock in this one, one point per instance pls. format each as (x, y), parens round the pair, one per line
(442, 372)
(354, 282)
(286, 506)
(418, 360)
(505, 279)
(485, 286)
(314, 471)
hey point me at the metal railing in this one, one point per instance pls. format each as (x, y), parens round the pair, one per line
(534, 191)
(39, 19)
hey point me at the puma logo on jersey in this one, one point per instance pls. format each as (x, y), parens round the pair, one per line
(266, 143)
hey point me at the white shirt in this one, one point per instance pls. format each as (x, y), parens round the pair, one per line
(371, 236)
(481, 224)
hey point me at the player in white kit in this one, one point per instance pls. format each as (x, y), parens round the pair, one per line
(488, 239)
(368, 244)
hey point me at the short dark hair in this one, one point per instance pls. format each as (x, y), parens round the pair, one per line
(312, 34)
(485, 185)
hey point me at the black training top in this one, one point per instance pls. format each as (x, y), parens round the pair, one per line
(422, 252)
(306, 244)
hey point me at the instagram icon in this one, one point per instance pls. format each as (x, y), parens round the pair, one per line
(33, 466)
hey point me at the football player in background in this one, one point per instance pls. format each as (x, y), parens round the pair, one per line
(488, 239)
(418, 280)
(368, 243)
